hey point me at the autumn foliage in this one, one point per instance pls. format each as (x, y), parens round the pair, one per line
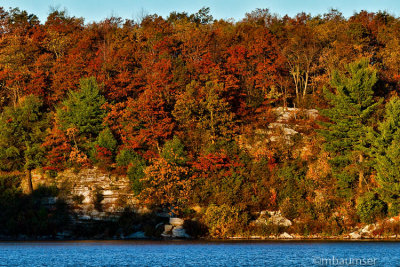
(185, 105)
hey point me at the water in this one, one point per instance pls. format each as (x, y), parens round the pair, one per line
(137, 253)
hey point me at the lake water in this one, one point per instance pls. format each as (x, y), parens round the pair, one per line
(181, 253)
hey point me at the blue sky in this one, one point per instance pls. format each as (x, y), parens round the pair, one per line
(95, 10)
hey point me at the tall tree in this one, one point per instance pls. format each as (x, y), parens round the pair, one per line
(22, 132)
(83, 109)
(80, 117)
(203, 108)
(386, 146)
(301, 48)
(167, 182)
(352, 104)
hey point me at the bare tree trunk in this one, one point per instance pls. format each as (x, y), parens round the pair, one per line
(361, 173)
(296, 78)
(29, 181)
(305, 85)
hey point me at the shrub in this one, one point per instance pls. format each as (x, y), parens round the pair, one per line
(288, 209)
(135, 165)
(107, 140)
(125, 157)
(370, 207)
(394, 209)
(224, 220)
(174, 151)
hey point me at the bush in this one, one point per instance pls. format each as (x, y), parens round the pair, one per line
(135, 165)
(174, 151)
(107, 140)
(125, 157)
(370, 207)
(267, 229)
(224, 220)
(394, 209)
(288, 209)
(27, 214)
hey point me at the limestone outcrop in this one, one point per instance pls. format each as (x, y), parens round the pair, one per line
(175, 229)
(274, 218)
(95, 194)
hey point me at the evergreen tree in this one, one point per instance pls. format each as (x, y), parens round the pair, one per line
(352, 104)
(104, 148)
(173, 151)
(81, 114)
(386, 148)
(107, 140)
(22, 131)
(83, 109)
(135, 166)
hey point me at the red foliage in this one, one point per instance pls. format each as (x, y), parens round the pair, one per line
(58, 148)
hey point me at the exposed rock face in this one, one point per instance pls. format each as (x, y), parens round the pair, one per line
(168, 228)
(286, 125)
(273, 217)
(368, 229)
(366, 232)
(355, 235)
(176, 221)
(175, 229)
(179, 232)
(285, 114)
(95, 194)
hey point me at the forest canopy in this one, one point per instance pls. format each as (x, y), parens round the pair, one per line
(187, 107)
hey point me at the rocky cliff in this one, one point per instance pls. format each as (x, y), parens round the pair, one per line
(92, 194)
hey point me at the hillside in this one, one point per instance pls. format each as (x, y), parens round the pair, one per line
(268, 126)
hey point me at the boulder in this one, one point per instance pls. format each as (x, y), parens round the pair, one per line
(166, 235)
(168, 228)
(285, 236)
(355, 235)
(84, 217)
(179, 232)
(368, 229)
(176, 221)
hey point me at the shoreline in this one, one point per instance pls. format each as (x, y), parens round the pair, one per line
(209, 240)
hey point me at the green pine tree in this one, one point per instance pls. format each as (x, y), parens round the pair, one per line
(352, 105)
(386, 149)
(173, 151)
(23, 130)
(82, 110)
(107, 140)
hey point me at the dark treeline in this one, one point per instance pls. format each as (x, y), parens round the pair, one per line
(173, 102)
